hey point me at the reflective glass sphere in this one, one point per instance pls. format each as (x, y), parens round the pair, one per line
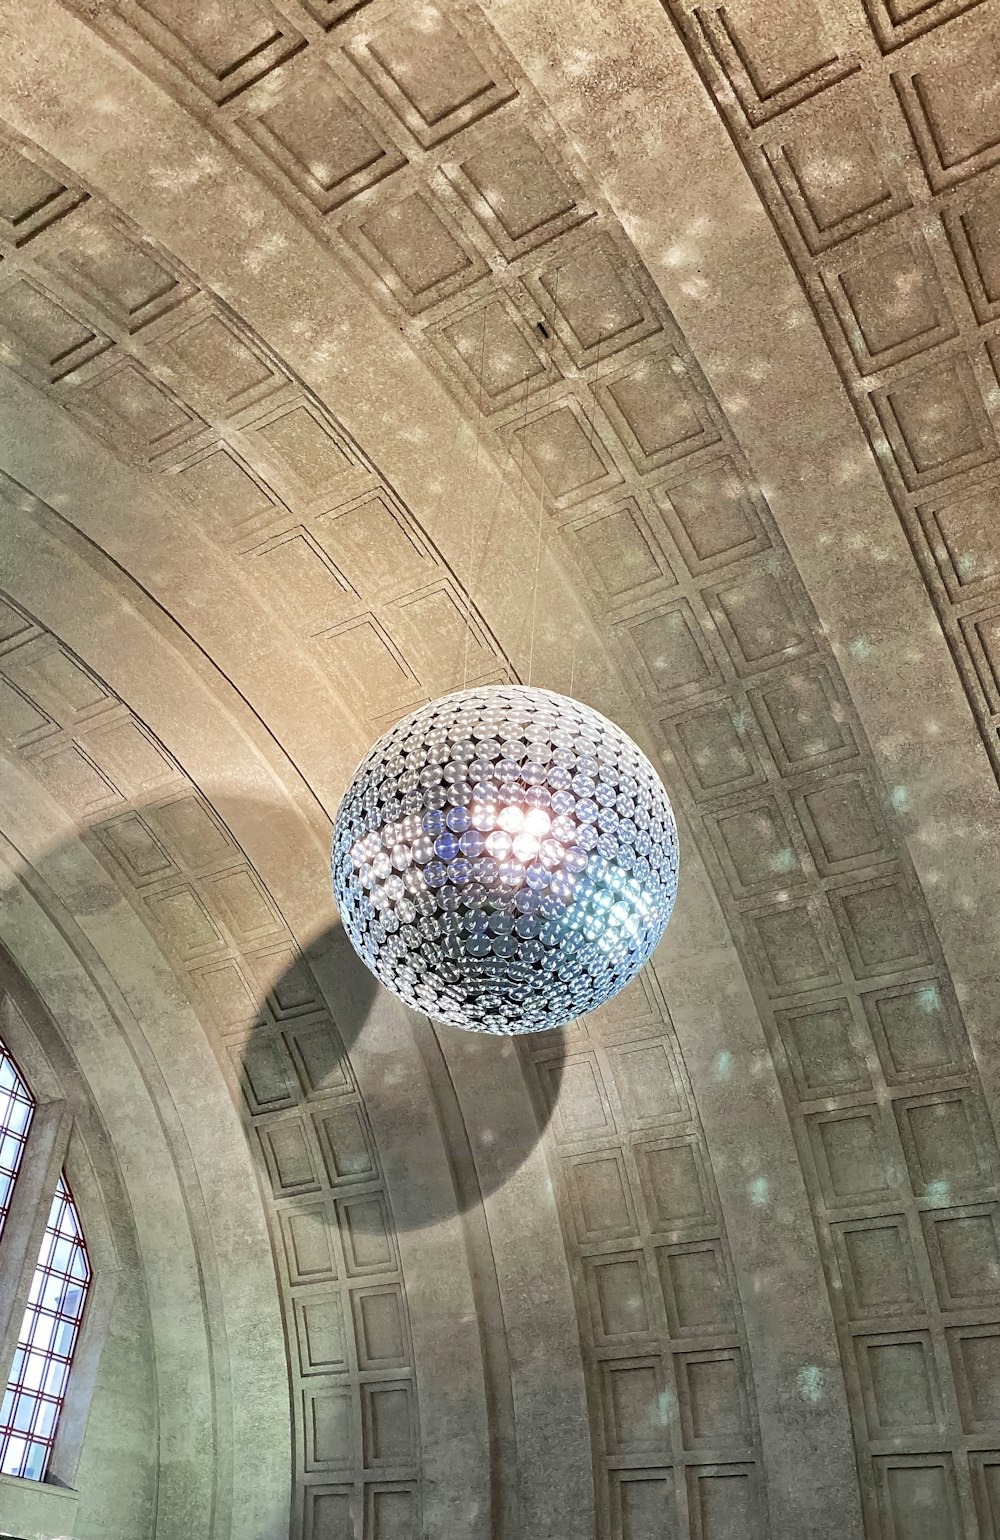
(505, 859)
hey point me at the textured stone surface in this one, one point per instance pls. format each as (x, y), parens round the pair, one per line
(332, 337)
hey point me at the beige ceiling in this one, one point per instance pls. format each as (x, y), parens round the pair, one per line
(353, 353)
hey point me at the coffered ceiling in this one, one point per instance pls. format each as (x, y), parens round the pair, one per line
(354, 353)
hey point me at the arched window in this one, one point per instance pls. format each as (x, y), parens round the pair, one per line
(42, 1355)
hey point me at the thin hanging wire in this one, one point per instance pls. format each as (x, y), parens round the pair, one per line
(538, 563)
(590, 443)
(474, 520)
(541, 502)
(475, 577)
(523, 436)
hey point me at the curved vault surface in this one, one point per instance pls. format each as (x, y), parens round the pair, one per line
(403, 357)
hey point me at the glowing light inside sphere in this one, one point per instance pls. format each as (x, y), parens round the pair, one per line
(505, 859)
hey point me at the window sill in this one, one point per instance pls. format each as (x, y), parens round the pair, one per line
(36, 1508)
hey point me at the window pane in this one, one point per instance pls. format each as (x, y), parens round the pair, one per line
(60, 1254)
(43, 1330)
(34, 1370)
(51, 1291)
(45, 1422)
(65, 1336)
(15, 1450)
(34, 1465)
(18, 1115)
(10, 1150)
(72, 1297)
(55, 1379)
(47, 1340)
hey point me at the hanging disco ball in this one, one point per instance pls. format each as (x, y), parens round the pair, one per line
(505, 859)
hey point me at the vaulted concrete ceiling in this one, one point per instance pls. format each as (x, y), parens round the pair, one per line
(356, 352)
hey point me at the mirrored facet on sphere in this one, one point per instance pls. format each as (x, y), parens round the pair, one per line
(505, 859)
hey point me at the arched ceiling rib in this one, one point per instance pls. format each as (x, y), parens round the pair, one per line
(876, 573)
(125, 1371)
(224, 949)
(142, 1056)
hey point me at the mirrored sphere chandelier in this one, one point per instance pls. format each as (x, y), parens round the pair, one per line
(505, 859)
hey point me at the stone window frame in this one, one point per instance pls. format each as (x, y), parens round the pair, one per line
(55, 1144)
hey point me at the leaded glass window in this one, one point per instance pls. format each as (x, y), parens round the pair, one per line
(43, 1354)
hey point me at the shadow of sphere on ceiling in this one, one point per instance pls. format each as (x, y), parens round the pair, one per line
(352, 991)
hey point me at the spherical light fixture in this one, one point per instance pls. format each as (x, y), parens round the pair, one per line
(505, 859)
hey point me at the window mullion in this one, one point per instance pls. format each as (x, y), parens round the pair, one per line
(21, 1242)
